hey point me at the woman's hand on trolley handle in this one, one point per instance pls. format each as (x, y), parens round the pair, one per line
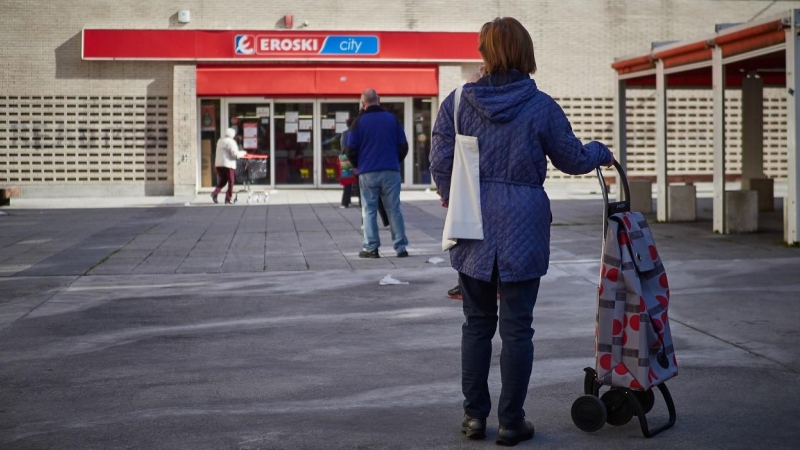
(611, 163)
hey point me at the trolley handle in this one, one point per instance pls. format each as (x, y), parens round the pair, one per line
(611, 208)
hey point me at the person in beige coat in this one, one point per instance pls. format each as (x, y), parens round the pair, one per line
(225, 162)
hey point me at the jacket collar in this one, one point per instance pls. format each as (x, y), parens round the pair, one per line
(373, 108)
(498, 79)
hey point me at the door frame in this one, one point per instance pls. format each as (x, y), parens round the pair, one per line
(408, 124)
(408, 129)
(316, 143)
(226, 120)
(318, 124)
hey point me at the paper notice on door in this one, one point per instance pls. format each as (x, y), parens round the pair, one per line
(303, 136)
(341, 127)
(291, 116)
(305, 124)
(250, 143)
(262, 111)
(250, 129)
(342, 116)
(290, 127)
(328, 124)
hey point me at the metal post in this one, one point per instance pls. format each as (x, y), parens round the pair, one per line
(792, 128)
(662, 182)
(718, 86)
(621, 132)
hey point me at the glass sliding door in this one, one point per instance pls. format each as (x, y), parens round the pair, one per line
(401, 108)
(420, 142)
(294, 142)
(251, 119)
(334, 116)
(210, 132)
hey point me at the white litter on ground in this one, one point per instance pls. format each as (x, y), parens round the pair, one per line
(389, 280)
(435, 260)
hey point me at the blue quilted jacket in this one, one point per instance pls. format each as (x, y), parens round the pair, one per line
(517, 127)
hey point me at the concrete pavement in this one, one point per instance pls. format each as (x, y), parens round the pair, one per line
(258, 327)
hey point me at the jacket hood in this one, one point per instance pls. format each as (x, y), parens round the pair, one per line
(500, 103)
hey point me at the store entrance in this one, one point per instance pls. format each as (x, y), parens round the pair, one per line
(302, 136)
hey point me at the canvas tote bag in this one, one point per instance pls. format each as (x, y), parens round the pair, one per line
(464, 219)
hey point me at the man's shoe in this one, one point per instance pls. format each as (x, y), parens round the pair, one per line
(402, 254)
(213, 198)
(473, 428)
(344, 206)
(455, 293)
(368, 254)
(512, 436)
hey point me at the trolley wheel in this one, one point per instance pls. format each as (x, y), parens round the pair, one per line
(619, 409)
(646, 398)
(589, 413)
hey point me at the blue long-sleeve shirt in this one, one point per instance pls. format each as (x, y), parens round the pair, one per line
(376, 141)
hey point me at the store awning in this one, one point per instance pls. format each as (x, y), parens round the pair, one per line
(316, 80)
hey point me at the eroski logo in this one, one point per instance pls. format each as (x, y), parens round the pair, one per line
(291, 45)
(245, 45)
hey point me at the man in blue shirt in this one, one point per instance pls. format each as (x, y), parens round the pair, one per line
(376, 145)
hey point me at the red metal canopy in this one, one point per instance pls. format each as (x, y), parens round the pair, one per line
(733, 41)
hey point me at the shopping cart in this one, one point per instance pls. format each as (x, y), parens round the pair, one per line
(633, 343)
(250, 168)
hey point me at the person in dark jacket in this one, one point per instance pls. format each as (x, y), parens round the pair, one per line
(376, 144)
(518, 127)
(347, 190)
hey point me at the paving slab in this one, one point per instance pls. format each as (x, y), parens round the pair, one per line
(297, 345)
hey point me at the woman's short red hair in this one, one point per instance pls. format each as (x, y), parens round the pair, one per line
(506, 45)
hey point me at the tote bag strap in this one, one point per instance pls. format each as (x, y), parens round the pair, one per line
(457, 100)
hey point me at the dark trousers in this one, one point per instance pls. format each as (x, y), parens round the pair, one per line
(225, 175)
(381, 210)
(347, 194)
(516, 358)
(382, 213)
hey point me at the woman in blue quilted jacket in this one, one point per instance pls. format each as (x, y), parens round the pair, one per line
(518, 127)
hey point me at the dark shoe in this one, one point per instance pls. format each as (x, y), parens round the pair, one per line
(344, 206)
(512, 436)
(402, 254)
(368, 254)
(473, 428)
(455, 293)
(214, 198)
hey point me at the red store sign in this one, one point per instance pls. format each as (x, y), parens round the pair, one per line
(248, 45)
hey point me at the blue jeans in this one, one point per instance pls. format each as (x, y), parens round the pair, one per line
(516, 358)
(386, 185)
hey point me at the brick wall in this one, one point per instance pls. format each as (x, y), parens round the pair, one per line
(183, 136)
(45, 88)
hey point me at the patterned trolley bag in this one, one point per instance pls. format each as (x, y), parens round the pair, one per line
(634, 351)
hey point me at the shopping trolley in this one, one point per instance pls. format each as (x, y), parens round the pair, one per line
(250, 168)
(633, 343)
